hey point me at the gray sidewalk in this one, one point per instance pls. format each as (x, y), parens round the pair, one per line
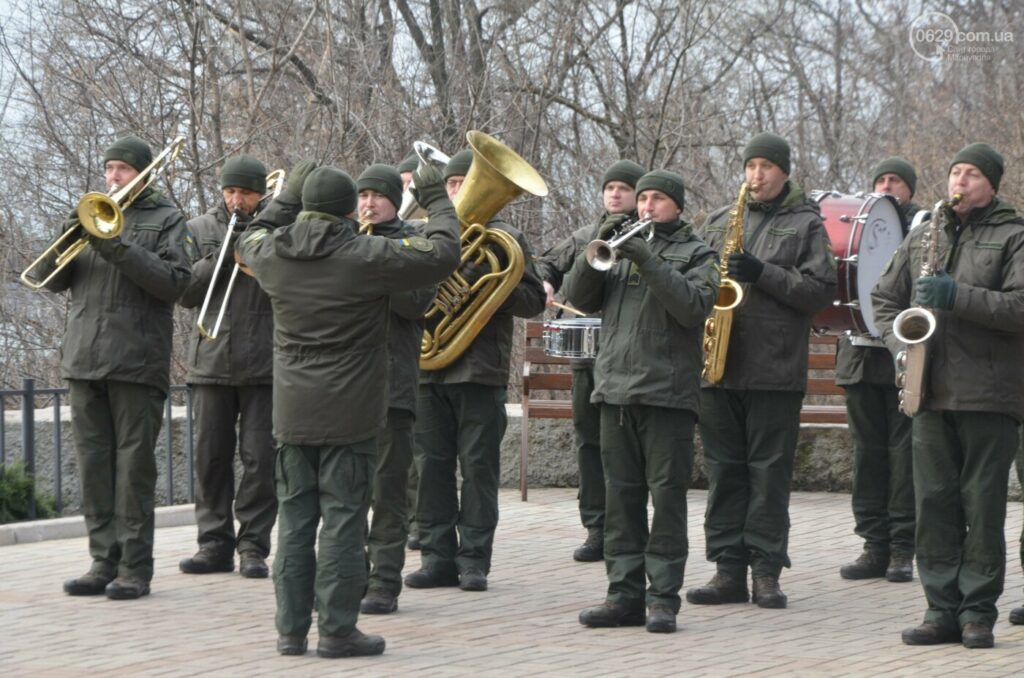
(525, 625)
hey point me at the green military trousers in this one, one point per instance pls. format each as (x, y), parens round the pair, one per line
(647, 452)
(586, 420)
(333, 483)
(115, 426)
(961, 467)
(389, 526)
(749, 442)
(458, 424)
(883, 475)
(217, 409)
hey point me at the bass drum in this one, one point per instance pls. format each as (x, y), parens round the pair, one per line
(865, 230)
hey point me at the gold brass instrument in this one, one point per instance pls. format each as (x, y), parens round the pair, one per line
(460, 310)
(275, 182)
(100, 215)
(718, 327)
(602, 254)
(410, 209)
(914, 326)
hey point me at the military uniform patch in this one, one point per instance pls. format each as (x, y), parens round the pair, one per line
(257, 236)
(190, 248)
(418, 243)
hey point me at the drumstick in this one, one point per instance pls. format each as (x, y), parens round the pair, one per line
(570, 309)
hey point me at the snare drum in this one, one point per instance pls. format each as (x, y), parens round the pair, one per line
(572, 337)
(865, 230)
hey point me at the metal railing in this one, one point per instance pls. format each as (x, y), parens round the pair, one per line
(28, 394)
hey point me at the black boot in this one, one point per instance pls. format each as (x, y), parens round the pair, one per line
(291, 645)
(901, 568)
(976, 636)
(89, 584)
(252, 565)
(355, 644)
(1016, 616)
(661, 619)
(425, 578)
(723, 588)
(208, 559)
(929, 633)
(592, 550)
(127, 588)
(379, 601)
(610, 615)
(869, 565)
(767, 593)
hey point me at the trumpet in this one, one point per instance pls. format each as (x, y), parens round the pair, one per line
(100, 215)
(410, 209)
(602, 254)
(275, 182)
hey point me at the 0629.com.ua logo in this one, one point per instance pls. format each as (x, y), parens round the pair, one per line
(935, 37)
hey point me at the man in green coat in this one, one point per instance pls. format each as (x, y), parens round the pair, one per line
(460, 420)
(116, 356)
(750, 419)
(380, 196)
(230, 377)
(653, 301)
(883, 481)
(329, 289)
(966, 433)
(618, 193)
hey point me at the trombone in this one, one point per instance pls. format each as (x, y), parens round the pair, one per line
(602, 254)
(410, 209)
(100, 215)
(275, 182)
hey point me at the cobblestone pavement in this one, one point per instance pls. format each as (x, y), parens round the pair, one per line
(525, 625)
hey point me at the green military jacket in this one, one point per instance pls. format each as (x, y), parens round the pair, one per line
(406, 332)
(120, 323)
(768, 344)
(975, 353)
(329, 289)
(486, 361)
(652, 320)
(242, 353)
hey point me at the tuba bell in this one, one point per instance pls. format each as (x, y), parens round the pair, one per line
(100, 215)
(460, 310)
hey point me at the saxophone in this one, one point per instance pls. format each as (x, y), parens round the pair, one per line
(916, 325)
(719, 325)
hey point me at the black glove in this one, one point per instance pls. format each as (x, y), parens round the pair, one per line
(745, 267)
(471, 272)
(297, 177)
(70, 222)
(610, 223)
(636, 250)
(106, 247)
(427, 185)
(936, 291)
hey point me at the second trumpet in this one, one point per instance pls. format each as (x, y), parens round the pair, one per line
(602, 254)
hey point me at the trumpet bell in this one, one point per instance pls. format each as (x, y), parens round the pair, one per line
(599, 255)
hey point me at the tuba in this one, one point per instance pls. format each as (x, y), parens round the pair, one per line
(100, 215)
(460, 310)
(718, 326)
(914, 326)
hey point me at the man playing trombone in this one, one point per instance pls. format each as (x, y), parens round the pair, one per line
(231, 378)
(116, 357)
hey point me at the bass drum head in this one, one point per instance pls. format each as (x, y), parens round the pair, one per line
(880, 238)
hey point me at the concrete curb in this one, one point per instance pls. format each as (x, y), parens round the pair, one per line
(73, 527)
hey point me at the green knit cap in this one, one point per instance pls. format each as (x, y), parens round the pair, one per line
(330, 190)
(383, 179)
(626, 171)
(985, 158)
(409, 163)
(131, 150)
(244, 171)
(459, 165)
(898, 166)
(769, 146)
(669, 183)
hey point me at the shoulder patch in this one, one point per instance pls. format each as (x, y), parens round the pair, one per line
(418, 243)
(256, 236)
(191, 251)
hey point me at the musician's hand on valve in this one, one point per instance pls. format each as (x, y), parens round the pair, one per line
(610, 224)
(636, 250)
(936, 291)
(744, 267)
(471, 272)
(297, 177)
(427, 185)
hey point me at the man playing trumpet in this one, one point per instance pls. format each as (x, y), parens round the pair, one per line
(231, 378)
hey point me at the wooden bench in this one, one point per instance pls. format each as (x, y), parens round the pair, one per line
(544, 375)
